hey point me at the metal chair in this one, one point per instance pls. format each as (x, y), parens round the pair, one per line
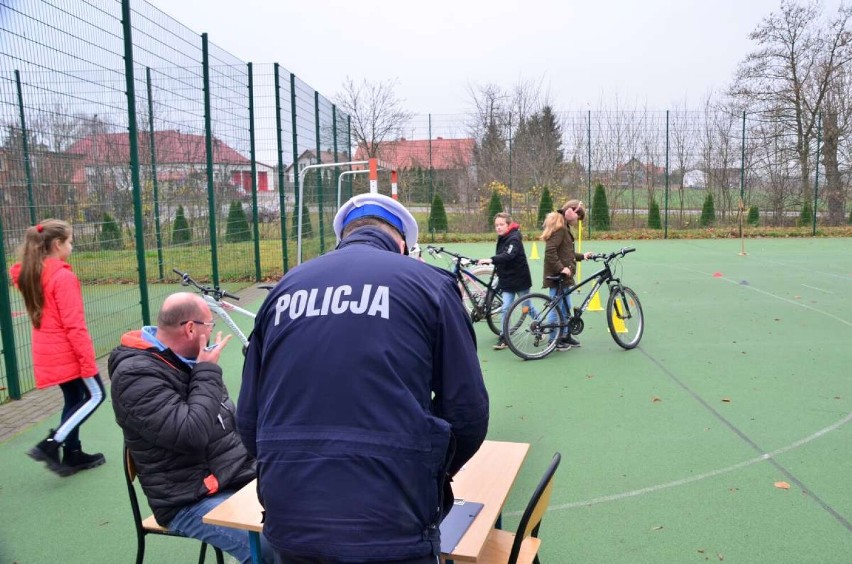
(522, 547)
(150, 526)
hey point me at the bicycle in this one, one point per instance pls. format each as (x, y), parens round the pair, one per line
(215, 300)
(534, 322)
(481, 298)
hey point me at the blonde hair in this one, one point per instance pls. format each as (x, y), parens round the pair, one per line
(553, 222)
(37, 245)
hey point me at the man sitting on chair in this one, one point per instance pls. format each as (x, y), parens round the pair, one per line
(178, 421)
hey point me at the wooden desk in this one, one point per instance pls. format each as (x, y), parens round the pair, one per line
(487, 478)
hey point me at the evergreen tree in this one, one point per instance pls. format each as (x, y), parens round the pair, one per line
(181, 232)
(307, 229)
(237, 229)
(537, 149)
(600, 210)
(849, 221)
(545, 205)
(438, 216)
(708, 211)
(654, 219)
(109, 238)
(753, 217)
(807, 215)
(495, 206)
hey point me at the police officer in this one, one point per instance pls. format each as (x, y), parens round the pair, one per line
(361, 396)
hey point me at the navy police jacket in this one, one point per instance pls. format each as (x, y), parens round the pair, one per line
(361, 393)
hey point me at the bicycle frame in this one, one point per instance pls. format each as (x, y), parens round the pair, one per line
(464, 276)
(221, 308)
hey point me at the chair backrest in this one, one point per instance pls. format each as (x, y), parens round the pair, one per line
(536, 508)
(130, 477)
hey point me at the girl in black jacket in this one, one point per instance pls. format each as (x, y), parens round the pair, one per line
(510, 262)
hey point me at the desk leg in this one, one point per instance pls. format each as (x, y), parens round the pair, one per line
(499, 523)
(254, 546)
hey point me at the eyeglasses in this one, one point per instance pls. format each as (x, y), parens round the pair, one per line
(210, 324)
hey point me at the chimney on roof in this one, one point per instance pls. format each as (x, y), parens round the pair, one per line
(402, 138)
(439, 138)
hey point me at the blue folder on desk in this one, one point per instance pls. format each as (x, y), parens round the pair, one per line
(455, 524)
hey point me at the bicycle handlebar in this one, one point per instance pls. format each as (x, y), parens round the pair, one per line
(608, 257)
(436, 251)
(216, 293)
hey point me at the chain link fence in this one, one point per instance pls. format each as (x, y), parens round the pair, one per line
(165, 151)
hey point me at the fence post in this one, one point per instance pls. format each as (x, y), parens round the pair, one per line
(252, 150)
(334, 136)
(431, 185)
(319, 172)
(296, 187)
(155, 183)
(26, 149)
(133, 136)
(510, 163)
(589, 171)
(349, 146)
(282, 200)
(666, 230)
(7, 330)
(742, 176)
(816, 172)
(208, 141)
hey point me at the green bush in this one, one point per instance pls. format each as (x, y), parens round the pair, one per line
(807, 215)
(438, 217)
(600, 210)
(237, 229)
(307, 228)
(654, 219)
(495, 206)
(753, 218)
(181, 232)
(849, 221)
(545, 205)
(708, 212)
(109, 238)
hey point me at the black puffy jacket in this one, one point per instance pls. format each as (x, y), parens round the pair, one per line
(510, 261)
(178, 423)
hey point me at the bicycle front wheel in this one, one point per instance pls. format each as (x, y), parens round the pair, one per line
(494, 310)
(624, 317)
(531, 326)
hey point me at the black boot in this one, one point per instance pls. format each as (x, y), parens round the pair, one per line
(76, 460)
(572, 341)
(47, 451)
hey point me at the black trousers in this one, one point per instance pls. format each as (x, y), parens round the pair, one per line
(288, 559)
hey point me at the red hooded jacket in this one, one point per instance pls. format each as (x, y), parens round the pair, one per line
(62, 346)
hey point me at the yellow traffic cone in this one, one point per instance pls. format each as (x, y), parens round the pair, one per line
(617, 321)
(534, 252)
(595, 304)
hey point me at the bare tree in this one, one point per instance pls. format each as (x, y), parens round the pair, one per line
(789, 73)
(376, 111)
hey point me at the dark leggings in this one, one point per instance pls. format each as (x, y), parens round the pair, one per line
(82, 397)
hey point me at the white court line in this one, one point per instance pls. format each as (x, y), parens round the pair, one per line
(683, 481)
(818, 289)
(765, 293)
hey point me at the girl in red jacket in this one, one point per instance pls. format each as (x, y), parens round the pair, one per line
(63, 353)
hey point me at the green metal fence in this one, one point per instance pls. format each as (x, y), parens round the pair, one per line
(162, 149)
(112, 114)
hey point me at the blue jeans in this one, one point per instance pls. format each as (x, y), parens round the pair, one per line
(508, 298)
(564, 308)
(233, 541)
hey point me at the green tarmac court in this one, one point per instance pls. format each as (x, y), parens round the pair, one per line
(724, 436)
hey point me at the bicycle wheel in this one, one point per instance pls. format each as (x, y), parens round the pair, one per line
(624, 317)
(531, 326)
(494, 317)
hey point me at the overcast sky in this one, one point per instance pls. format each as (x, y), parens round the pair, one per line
(654, 52)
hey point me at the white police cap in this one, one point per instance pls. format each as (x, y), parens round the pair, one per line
(382, 207)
